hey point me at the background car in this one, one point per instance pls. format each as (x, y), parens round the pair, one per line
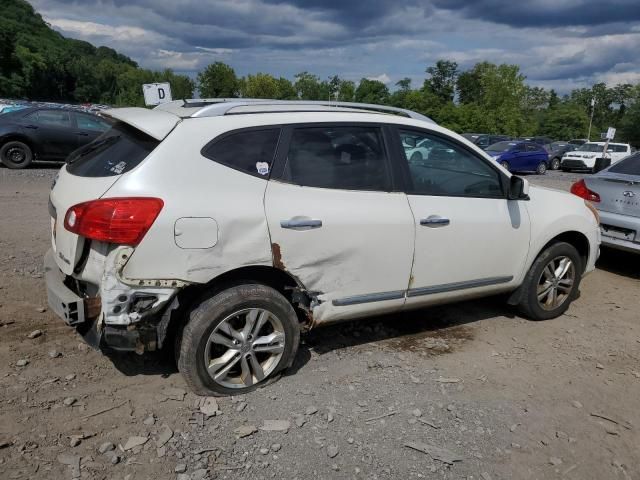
(48, 134)
(518, 156)
(615, 192)
(587, 156)
(483, 140)
(578, 141)
(544, 141)
(556, 151)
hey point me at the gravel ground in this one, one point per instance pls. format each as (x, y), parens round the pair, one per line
(463, 391)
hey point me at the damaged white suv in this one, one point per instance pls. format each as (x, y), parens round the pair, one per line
(228, 226)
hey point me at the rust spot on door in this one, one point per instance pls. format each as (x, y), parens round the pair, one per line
(277, 256)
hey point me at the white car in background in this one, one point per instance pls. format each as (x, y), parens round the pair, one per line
(585, 156)
(228, 227)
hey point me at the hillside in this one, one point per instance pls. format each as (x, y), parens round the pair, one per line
(38, 63)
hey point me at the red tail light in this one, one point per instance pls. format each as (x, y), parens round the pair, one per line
(114, 220)
(580, 189)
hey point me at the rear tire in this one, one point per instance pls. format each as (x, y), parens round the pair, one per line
(542, 168)
(16, 155)
(238, 340)
(555, 164)
(552, 282)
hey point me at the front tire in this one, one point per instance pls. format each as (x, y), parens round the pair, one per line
(16, 155)
(238, 340)
(555, 164)
(552, 282)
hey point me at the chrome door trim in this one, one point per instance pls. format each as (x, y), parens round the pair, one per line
(451, 287)
(367, 298)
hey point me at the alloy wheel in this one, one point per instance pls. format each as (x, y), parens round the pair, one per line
(556, 282)
(244, 348)
(542, 168)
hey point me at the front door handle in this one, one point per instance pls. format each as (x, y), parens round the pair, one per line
(435, 221)
(82, 134)
(301, 223)
(32, 127)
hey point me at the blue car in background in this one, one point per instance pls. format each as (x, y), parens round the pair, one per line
(520, 156)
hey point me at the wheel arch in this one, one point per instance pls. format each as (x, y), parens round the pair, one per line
(572, 237)
(175, 315)
(19, 137)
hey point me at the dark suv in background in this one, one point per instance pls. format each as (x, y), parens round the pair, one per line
(483, 140)
(48, 134)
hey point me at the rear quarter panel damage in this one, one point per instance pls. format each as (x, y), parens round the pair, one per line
(194, 186)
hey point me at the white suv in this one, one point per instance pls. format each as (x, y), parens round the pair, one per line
(585, 156)
(230, 226)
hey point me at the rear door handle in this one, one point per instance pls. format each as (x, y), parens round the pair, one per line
(301, 223)
(82, 134)
(435, 221)
(32, 127)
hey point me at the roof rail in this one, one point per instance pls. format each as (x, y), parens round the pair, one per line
(228, 106)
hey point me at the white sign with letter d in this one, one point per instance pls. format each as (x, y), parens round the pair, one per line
(156, 93)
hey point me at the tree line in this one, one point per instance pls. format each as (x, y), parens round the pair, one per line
(37, 63)
(487, 98)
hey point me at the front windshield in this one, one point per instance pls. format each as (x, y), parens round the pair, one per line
(501, 146)
(590, 147)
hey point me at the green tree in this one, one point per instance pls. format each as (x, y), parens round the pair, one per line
(566, 120)
(372, 91)
(260, 85)
(346, 91)
(630, 124)
(218, 80)
(442, 79)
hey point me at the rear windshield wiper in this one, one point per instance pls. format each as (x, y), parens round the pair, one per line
(92, 147)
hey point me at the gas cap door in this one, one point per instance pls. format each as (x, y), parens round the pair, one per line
(196, 232)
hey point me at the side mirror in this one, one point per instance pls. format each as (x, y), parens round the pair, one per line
(518, 188)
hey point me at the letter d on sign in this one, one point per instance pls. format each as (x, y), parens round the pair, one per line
(156, 93)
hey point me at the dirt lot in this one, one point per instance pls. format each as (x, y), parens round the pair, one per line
(501, 396)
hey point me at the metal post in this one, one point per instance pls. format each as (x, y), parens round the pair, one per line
(593, 107)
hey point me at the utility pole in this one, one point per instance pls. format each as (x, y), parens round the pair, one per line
(593, 103)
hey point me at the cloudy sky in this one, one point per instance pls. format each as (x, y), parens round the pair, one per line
(559, 44)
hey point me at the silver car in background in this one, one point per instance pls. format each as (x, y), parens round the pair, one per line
(615, 192)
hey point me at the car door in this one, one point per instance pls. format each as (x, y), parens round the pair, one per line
(535, 155)
(53, 130)
(335, 222)
(520, 156)
(469, 237)
(89, 127)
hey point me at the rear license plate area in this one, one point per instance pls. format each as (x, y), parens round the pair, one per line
(618, 232)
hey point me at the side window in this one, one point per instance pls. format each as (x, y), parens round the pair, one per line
(89, 122)
(520, 148)
(53, 118)
(531, 147)
(619, 148)
(250, 151)
(445, 168)
(340, 157)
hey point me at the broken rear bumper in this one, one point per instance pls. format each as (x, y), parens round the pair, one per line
(86, 315)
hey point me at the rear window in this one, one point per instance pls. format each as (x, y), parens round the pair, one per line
(627, 166)
(118, 150)
(250, 151)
